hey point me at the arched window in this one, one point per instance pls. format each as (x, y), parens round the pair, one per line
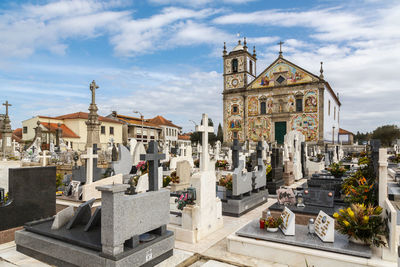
(234, 65)
(251, 67)
(263, 108)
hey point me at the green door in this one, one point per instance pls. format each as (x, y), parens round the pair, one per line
(280, 131)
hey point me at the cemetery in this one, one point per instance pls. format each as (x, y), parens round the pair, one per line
(139, 204)
(269, 179)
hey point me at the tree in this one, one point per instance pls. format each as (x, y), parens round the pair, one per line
(361, 137)
(220, 134)
(387, 134)
(196, 136)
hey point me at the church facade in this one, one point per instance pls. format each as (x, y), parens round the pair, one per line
(282, 98)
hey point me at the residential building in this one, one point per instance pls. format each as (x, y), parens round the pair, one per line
(74, 130)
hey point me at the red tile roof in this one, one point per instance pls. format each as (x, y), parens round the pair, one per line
(85, 115)
(66, 132)
(14, 136)
(136, 121)
(18, 133)
(160, 120)
(343, 131)
(184, 137)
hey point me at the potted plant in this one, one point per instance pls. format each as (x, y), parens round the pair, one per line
(362, 224)
(227, 183)
(273, 223)
(221, 164)
(337, 170)
(143, 167)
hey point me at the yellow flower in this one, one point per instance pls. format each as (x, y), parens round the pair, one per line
(341, 210)
(346, 223)
(351, 213)
(335, 215)
(366, 218)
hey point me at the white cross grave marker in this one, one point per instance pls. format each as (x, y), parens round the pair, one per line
(204, 129)
(44, 157)
(89, 164)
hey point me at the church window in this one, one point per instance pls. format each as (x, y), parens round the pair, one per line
(251, 67)
(263, 108)
(234, 65)
(235, 109)
(280, 79)
(111, 130)
(25, 129)
(103, 129)
(334, 113)
(235, 135)
(329, 108)
(299, 105)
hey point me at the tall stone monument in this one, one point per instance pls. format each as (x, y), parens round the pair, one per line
(93, 124)
(6, 133)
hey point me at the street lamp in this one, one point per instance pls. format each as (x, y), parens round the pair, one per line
(141, 117)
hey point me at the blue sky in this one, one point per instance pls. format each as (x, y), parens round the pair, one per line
(164, 56)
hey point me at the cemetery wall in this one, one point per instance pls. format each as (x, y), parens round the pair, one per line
(331, 117)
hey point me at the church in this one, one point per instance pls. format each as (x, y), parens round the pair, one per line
(282, 98)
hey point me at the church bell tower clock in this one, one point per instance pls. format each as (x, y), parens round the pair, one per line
(239, 67)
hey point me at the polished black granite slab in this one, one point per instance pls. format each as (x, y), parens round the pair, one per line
(308, 209)
(303, 239)
(32, 196)
(76, 235)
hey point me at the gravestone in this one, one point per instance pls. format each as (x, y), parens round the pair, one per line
(276, 172)
(288, 175)
(319, 197)
(124, 162)
(139, 150)
(128, 230)
(32, 196)
(153, 158)
(236, 148)
(286, 196)
(183, 170)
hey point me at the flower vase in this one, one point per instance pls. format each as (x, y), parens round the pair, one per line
(272, 230)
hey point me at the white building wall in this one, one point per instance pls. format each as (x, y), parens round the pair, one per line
(330, 119)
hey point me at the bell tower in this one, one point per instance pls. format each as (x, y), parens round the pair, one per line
(239, 67)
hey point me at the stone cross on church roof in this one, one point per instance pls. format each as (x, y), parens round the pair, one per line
(280, 48)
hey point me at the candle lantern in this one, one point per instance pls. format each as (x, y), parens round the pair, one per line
(311, 226)
(300, 200)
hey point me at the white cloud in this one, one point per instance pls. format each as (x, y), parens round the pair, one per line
(198, 3)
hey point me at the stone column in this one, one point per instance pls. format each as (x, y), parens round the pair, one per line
(6, 134)
(382, 176)
(112, 211)
(93, 124)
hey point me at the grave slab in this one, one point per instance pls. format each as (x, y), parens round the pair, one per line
(303, 239)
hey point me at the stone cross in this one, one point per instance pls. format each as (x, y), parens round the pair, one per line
(280, 47)
(90, 156)
(204, 129)
(44, 157)
(153, 158)
(236, 147)
(7, 105)
(93, 87)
